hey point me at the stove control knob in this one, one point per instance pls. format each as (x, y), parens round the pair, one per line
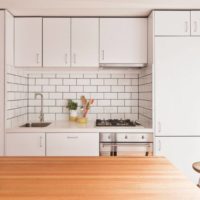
(143, 137)
(126, 137)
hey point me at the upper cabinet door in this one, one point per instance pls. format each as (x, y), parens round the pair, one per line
(195, 22)
(28, 42)
(56, 42)
(123, 40)
(85, 42)
(172, 23)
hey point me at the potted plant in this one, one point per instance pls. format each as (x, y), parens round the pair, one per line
(72, 106)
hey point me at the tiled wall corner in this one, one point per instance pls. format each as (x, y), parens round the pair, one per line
(16, 97)
(145, 97)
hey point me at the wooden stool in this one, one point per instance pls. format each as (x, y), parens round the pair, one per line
(196, 167)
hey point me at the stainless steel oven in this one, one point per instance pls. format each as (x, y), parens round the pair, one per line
(126, 144)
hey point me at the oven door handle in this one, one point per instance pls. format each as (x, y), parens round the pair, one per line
(126, 144)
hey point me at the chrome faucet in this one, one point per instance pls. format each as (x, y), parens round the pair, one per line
(41, 117)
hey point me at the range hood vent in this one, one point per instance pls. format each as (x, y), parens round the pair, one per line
(123, 65)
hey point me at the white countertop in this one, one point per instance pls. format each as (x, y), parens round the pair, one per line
(72, 127)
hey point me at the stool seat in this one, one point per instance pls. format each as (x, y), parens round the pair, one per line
(196, 166)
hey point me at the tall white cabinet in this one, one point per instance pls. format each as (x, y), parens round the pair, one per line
(28, 42)
(56, 42)
(176, 70)
(85, 42)
(181, 151)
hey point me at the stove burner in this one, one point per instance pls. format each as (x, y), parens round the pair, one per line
(116, 122)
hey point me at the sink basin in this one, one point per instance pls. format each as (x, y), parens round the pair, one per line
(38, 124)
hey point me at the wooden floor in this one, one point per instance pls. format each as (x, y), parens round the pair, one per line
(64, 178)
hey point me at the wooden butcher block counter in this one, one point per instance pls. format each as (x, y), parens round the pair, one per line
(111, 178)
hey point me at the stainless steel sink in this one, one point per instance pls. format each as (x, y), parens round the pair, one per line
(31, 125)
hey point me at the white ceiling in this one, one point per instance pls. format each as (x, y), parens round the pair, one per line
(93, 7)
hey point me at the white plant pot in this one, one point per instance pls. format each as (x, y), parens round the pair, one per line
(73, 113)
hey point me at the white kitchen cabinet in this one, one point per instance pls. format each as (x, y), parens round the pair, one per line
(195, 23)
(56, 42)
(9, 35)
(172, 23)
(25, 144)
(182, 152)
(72, 144)
(176, 78)
(2, 81)
(28, 42)
(123, 40)
(85, 42)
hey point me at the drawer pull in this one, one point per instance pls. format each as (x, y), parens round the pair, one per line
(72, 137)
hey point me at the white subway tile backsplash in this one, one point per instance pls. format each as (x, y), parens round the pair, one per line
(55, 95)
(97, 95)
(76, 88)
(110, 81)
(55, 81)
(96, 81)
(124, 109)
(33, 88)
(110, 95)
(104, 75)
(117, 75)
(124, 95)
(91, 75)
(118, 88)
(42, 81)
(62, 75)
(69, 95)
(124, 81)
(110, 109)
(69, 81)
(117, 102)
(83, 81)
(90, 88)
(103, 102)
(55, 109)
(115, 95)
(62, 88)
(76, 75)
(48, 88)
(104, 88)
(48, 75)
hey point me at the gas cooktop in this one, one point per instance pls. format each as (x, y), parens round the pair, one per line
(116, 122)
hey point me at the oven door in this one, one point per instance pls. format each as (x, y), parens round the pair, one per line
(126, 149)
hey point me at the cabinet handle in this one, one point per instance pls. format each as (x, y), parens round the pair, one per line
(72, 137)
(186, 26)
(159, 127)
(159, 145)
(102, 54)
(195, 26)
(74, 58)
(41, 141)
(66, 58)
(38, 58)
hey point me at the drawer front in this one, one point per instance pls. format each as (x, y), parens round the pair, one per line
(72, 144)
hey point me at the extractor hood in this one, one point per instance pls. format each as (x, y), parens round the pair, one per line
(123, 65)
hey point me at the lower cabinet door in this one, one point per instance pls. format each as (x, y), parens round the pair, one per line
(72, 144)
(182, 152)
(25, 144)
